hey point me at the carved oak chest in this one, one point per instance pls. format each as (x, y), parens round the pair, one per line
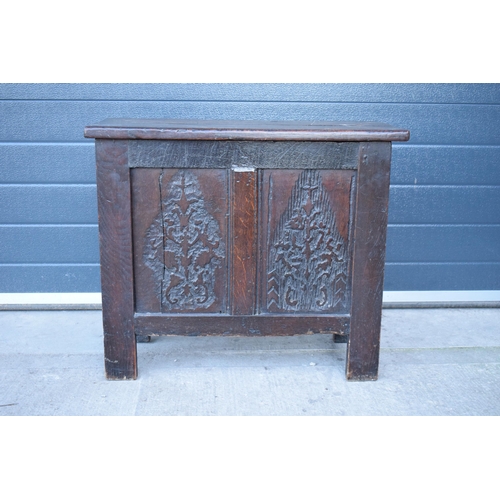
(242, 228)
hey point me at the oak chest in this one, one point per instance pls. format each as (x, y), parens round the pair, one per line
(242, 228)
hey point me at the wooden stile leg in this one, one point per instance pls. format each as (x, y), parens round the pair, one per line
(115, 233)
(244, 241)
(370, 228)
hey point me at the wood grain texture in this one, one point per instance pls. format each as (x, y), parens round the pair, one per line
(131, 128)
(161, 324)
(146, 205)
(370, 223)
(207, 241)
(243, 154)
(243, 217)
(304, 241)
(180, 243)
(115, 232)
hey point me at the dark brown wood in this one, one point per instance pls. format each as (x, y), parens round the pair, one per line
(370, 228)
(243, 154)
(260, 325)
(115, 234)
(180, 240)
(146, 204)
(131, 128)
(305, 241)
(243, 273)
(242, 228)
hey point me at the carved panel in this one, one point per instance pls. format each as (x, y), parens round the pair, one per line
(183, 247)
(307, 259)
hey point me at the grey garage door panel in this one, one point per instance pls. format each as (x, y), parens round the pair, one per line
(451, 165)
(443, 244)
(65, 120)
(26, 278)
(47, 163)
(444, 205)
(49, 204)
(459, 276)
(49, 244)
(436, 93)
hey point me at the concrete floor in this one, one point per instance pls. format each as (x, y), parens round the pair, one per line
(432, 362)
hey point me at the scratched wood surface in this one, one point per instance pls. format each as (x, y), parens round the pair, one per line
(212, 240)
(305, 244)
(258, 130)
(370, 229)
(146, 205)
(180, 240)
(115, 233)
(244, 325)
(243, 275)
(243, 154)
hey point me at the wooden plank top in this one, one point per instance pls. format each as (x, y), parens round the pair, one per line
(251, 130)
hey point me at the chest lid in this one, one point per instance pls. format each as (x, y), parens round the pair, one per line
(250, 130)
